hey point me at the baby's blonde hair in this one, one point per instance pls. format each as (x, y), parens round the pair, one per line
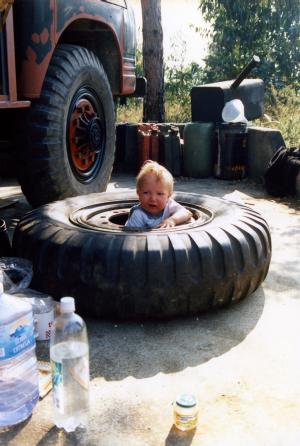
(160, 173)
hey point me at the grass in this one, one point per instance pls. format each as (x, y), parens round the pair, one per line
(282, 111)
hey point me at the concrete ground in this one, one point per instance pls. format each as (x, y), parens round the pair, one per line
(242, 362)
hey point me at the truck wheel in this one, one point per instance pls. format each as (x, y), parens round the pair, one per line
(70, 130)
(7, 163)
(79, 247)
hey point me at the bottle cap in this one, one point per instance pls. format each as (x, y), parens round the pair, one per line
(186, 400)
(67, 304)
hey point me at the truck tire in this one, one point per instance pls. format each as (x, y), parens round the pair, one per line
(69, 136)
(8, 163)
(79, 247)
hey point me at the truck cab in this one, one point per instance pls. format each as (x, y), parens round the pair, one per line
(63, 65)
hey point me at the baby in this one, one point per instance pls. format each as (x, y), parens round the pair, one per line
(156, 209)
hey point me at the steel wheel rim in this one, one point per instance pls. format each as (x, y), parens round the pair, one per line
(86, 136)
(111, 216)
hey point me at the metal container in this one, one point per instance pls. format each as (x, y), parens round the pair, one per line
(144, 143)
(197, 149)
(170, 148)
(231, 156)
(207, 101)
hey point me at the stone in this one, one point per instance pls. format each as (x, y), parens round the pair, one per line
(262, 144)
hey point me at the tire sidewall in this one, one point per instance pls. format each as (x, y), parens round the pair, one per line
(149, 273)
(91, 78)
(45, 173)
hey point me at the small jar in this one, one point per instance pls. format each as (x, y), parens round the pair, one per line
(186, 412)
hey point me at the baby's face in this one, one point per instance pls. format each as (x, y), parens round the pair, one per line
(153, 194)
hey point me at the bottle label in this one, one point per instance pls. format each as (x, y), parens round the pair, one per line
(57, 385)
(19, 369)
(16, 337)
(186, 422)
(44, 325)
(78, 373)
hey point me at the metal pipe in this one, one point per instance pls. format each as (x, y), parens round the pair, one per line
(243, 74)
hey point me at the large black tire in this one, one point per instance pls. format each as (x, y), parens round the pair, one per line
(69, 135)
(79, 247)
(8, 145)
(8, 163)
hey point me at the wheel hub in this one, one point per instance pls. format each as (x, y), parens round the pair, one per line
(95, 134)
(86, 135)
(111, 216)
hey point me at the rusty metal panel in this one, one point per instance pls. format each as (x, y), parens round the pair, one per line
(11, 63)
(129, 76)
(34, 30)
(13, 104)
(70, 10)
(117, 19)
(39, 24)
(8, 98)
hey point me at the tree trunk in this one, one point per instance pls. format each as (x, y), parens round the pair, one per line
(153, 61)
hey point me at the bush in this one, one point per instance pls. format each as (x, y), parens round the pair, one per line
(282, 111)
(239, 29)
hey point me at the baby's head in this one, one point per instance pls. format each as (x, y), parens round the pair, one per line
(160, 173)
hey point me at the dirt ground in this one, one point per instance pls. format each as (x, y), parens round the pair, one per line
(242, 362)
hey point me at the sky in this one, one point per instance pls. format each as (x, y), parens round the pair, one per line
(177, 16)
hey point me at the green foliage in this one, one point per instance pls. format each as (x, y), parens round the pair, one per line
(176, 112)
(268, 28)
(282, 111)
(180, 80)
(131, 112)
(242, 28)
(139, 69)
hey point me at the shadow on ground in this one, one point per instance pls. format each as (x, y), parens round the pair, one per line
(181, 438)
(141, 350)
(7, 434)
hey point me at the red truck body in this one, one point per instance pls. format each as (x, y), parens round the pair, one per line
(71, 59)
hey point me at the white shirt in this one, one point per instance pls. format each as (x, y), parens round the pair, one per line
(139, 218)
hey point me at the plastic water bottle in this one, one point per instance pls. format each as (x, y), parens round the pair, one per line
(19, 387)
(69, 355)
(43, 312)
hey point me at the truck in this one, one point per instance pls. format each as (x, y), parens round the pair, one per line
(64, 66)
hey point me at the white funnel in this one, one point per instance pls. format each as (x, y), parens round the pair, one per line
(233, 111)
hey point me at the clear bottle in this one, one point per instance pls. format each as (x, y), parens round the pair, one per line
(186, 412)
(19, 386)
(43, 312)
(69, 355)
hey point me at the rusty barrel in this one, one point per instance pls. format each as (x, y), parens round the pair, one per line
(231, 156)
(144, 143)
(154, 145)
